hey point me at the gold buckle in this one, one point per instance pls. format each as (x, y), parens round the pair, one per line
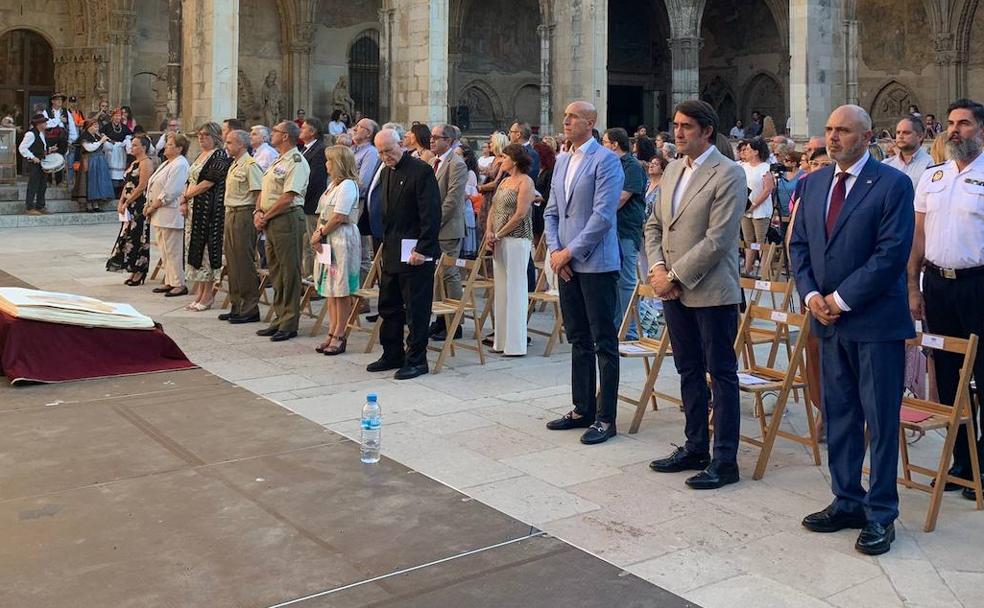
(949, 273)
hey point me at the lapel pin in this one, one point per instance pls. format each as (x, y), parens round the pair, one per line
(868, 182)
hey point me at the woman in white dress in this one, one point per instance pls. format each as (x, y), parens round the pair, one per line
(755, 221)
(338, 245)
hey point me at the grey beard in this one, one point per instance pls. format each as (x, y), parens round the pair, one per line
(964, 150)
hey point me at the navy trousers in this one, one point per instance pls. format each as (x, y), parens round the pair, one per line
(703, 341)
(862, 385)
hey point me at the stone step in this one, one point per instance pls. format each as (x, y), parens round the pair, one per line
(52, 205)
(18, 192)
(58, 219)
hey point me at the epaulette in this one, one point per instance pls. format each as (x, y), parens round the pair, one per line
(937, 165)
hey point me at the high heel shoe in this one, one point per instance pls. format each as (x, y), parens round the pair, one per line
(324, 346)
(331, 351)
(136, 282)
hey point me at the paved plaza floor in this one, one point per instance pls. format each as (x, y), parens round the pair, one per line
(480, 430)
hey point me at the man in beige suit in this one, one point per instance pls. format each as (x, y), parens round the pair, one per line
(452, 175)
(692, 244)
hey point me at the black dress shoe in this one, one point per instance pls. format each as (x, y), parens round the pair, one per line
(832, 520)
(266, 332)
(225, 316)
(875, 538)
(410, 371)
(568, 421)
(442, 335)
(680, 460)
(371, 318)
(162, 289)
(282, 336)
(716, 475)
(969, 493)
(599, 432)
(174, 294)
(237, 319)
(383, 364)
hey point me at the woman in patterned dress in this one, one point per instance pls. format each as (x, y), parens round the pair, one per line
(203, 206)
(132, 251)
(338, 235)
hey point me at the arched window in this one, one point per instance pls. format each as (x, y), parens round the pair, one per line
(27, 74)
(364, 73)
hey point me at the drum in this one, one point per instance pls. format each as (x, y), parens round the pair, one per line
(53, 163)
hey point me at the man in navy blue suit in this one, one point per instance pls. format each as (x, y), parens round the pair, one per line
(849, 252)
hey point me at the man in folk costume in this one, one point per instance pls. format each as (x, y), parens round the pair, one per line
(34, 147)
(61, 130)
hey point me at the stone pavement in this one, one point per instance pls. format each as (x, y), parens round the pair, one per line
(480, 429)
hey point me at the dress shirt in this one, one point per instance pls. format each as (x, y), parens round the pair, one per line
(25, 146)
(914, 168)
(161, 142)
(577, 157)
(265, 154)
(853, 172)
(689, 168)
(366, 160)
(953, 202)
(54, 120)
(440, 160)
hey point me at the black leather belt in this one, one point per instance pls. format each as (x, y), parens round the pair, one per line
(954, 273)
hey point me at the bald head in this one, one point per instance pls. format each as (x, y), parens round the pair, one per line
(387, 144)
(579, 118)
(847, 135)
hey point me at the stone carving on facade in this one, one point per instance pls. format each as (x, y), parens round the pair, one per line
(340, 98)
(891, 104)
(272, 101)
(247, 107)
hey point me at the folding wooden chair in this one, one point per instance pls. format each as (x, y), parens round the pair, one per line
(369, 291)
(773, 334)
(454, 310)
(923, 415)
(652, 351)
(221, 286)
(760, 379)
(484, 284)
(542, 296)
(157, 270)
(306, 308)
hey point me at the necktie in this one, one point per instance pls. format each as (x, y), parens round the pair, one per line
(837, 201)
(437, 164)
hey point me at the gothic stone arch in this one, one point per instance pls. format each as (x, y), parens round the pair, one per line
(484, 106)
(890, 104)
(764, 94)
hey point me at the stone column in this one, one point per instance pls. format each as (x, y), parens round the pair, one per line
(582, 72)
(174, 58)
(546, 35)
(419, 74)
(299, 49)
(120, 38)
(852, 46)
(816, 75)
(685, 58)
(386, 16)
(209, 72)
(952, 69)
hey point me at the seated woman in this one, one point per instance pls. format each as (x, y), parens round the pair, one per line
(510, 235)
(338, 236)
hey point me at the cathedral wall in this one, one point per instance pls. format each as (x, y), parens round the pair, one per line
(330, 61)
(148, 87)
(896, 61)
(50, 18)
(261, 51)
(975, 59)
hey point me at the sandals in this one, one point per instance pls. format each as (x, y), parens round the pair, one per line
(325, 345)
(336, 350)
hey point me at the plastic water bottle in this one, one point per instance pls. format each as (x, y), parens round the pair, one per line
(372, 420)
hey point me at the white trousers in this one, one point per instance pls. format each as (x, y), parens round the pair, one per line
(171, 243)
(511, 298)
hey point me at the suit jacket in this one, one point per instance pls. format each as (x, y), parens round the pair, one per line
(411, 210)
(700, 242)
(452, 176)
(583, 220)
(865, 258)
(318, 182)
(166, 184)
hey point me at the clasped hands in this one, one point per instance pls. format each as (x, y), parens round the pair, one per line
(560, 263)
(662, 285)
(825, 309)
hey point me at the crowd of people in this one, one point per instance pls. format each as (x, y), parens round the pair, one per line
(877, 237)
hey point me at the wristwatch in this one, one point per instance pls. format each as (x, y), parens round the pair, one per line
(672, 276)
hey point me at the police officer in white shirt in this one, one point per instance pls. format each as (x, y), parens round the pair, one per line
(948, 247)
(911, 158)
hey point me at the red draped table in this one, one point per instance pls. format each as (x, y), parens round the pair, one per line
(36, 351)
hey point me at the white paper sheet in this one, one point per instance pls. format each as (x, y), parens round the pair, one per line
(632, 349)
(323, 256)
(125, 217)
(750, 380)
(406, 248)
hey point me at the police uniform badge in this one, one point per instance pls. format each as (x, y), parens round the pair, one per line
(937, 176)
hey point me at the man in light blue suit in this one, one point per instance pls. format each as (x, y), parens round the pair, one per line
(582, 243)
(850, 245)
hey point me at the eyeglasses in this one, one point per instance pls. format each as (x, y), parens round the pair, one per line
(278, 131)
(439, 136)
(817, 164)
